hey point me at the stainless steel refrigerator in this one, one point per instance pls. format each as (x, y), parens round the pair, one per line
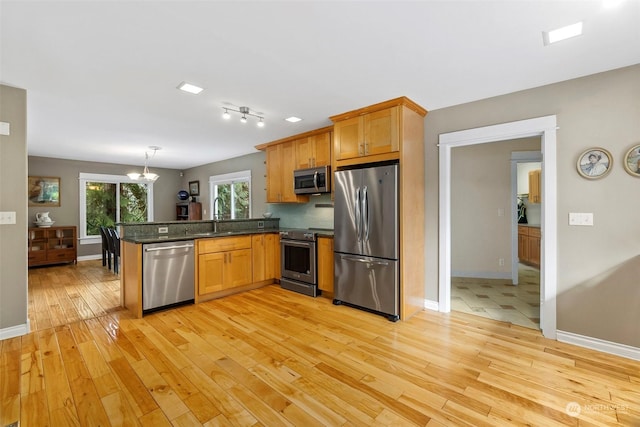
(366, 246)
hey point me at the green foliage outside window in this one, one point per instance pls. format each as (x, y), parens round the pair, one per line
(102, 208)
(240, 200)
(133, 202)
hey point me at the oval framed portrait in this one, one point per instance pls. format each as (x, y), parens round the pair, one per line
(594, 163)
(632, 161)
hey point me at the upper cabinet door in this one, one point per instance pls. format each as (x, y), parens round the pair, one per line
(368, 135)
(381, 132)
(321, 149)
(349, 138)
(304, 153)
(288, 165)
(274, 174)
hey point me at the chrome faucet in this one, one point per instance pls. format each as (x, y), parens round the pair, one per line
(216, 215)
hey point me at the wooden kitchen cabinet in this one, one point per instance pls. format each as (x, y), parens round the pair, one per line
(309, 149)
(265, 250)
(314, 151)
(534, 186)
(367, 135)
(223, 263)
(281, 162)
(52, 245)
(529, 245)
(534, 246)
(325, 265)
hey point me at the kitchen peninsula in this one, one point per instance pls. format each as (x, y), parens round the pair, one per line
(228, 256)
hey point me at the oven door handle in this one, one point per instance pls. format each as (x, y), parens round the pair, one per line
(297, 243)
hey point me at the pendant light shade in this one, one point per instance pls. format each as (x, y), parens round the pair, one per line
(145, 176)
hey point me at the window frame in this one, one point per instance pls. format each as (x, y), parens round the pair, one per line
(83, 178)
(228, 178)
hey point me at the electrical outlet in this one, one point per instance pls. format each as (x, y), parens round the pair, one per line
(260, 224)
(501, 262)
(163, 229)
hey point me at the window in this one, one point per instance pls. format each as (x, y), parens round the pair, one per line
(230, 195)
(109, 199)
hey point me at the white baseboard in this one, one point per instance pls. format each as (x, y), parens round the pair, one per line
(483, 274)
(431, 305)
(600, 345)
(15, 331)
(89, 257)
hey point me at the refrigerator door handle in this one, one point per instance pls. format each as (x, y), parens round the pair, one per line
(365, 214)
(358, 215)
(363, 260)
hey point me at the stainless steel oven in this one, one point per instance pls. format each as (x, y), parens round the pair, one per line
(298, 255)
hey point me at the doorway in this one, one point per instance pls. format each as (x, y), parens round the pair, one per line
(492, 276)
(545, 128)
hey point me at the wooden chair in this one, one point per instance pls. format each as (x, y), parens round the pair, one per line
(106, 251)
(114, 247)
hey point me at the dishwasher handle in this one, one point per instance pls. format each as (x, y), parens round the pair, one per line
(166, 248)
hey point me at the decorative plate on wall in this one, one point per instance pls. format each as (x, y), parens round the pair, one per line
(632, 161)
(594, 163)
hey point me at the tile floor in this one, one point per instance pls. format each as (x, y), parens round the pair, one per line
(499, 300)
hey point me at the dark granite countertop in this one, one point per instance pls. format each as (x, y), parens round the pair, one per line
(158, 238)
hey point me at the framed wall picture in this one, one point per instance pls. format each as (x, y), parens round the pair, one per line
(194, 188)
(43, 191)
(594, 163)
(632, 161)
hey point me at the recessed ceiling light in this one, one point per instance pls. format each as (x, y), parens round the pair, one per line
(293, 119)
(563, 33)
(188, 87)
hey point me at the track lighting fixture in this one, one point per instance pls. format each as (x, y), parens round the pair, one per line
(145, 176)
(245, 111)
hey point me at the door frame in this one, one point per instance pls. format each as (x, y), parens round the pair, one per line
(544, 127)
(518, 157)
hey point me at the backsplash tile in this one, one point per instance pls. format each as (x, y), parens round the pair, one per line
(305, 215)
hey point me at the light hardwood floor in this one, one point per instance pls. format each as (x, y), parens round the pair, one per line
(272, 357)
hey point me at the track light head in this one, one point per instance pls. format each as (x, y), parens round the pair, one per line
(245, 111)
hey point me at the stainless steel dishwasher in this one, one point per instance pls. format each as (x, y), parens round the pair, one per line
(167, 274)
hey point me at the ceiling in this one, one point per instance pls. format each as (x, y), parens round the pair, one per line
(101, 76)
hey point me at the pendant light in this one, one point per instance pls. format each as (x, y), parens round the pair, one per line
(146, 176)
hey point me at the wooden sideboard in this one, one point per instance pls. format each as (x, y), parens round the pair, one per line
(52, 245)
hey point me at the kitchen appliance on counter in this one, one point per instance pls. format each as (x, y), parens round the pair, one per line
(312, 180)
(298, 258)
(168, 274)
(366, 242)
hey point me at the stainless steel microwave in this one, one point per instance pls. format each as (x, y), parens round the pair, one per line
(312, 180)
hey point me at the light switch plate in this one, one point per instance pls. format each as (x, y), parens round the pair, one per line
(7, 217)
(581, 218)
(163, 229)
(5, 128)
